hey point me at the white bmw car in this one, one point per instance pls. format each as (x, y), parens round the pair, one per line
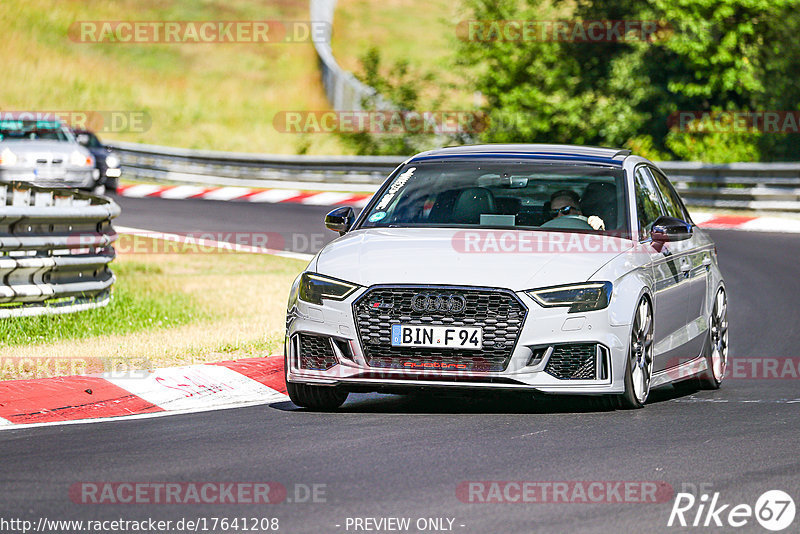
(38, 148)
(547, 268)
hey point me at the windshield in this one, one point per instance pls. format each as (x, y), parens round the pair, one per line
(503, 194)
(90, 139)
(27, 130)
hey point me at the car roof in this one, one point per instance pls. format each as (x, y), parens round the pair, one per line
(589, 154)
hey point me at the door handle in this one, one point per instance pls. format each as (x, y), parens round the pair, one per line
(686, 268)
(707, 262)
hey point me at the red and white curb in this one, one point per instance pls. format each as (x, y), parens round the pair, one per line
(210, 243)
(359, 200)
(746, 222)
(136, 394)
(244, 194)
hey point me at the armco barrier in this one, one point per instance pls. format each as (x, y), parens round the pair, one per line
(206, 167)
(757, 186)
(55, 250)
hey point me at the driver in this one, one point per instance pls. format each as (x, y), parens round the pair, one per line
(567, 202)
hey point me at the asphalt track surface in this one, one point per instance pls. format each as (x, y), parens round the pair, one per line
(297, 227)
(392, 456)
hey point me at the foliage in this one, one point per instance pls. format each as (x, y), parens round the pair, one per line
(399, 91)
(707, 55)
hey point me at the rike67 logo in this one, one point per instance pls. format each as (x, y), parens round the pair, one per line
(774, 510)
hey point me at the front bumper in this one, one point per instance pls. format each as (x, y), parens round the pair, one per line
(543, 331)
(67, 177)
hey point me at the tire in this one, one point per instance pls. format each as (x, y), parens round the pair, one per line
(321, 398)
(639, 365)
(716, 349)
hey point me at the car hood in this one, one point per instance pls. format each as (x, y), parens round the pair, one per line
(516, 260)
(45, 146)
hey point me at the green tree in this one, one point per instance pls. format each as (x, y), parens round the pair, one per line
(399, 91)
(708, 55)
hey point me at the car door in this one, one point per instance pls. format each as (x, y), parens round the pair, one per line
(695, 257)
(669, 306)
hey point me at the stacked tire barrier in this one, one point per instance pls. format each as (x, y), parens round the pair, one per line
(344, 91)
(55, 250)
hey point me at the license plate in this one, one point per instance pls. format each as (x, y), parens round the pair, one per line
(450, 337)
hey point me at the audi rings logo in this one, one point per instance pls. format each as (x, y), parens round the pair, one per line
(427, 302)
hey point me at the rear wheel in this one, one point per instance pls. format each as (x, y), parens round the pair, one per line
(323, 398)
(717, 348)
(639, 368)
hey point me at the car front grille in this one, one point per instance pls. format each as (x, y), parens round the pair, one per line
(316, 353)
(576, 361)
(498, 312)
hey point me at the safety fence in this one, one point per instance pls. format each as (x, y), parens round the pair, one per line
(345, 92)
(756, 186)
(55, 250)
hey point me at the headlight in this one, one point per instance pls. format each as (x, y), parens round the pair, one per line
(293, 292)
(112, 161)
(314, 288)
(7, 157)
(579, 297)
(78, 159)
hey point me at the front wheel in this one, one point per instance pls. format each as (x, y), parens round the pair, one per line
(322, 398)
(639, 367)
(717, 345)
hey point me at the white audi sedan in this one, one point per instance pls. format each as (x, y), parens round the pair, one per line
(546, 268)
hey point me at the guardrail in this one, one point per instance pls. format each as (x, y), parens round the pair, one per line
(206, 167)
(55, 250)
(757, 186)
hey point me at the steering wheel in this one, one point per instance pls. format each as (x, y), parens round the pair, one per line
(568, 222)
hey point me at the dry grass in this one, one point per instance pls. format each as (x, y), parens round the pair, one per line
(423, 32)
(212, 96)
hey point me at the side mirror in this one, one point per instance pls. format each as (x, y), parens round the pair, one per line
(340, 220)
(670, 229)
(83, 139)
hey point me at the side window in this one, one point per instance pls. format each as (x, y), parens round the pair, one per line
(648, 205)
(672, 202)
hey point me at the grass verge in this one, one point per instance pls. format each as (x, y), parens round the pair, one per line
(136, 306)
(168, 309)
